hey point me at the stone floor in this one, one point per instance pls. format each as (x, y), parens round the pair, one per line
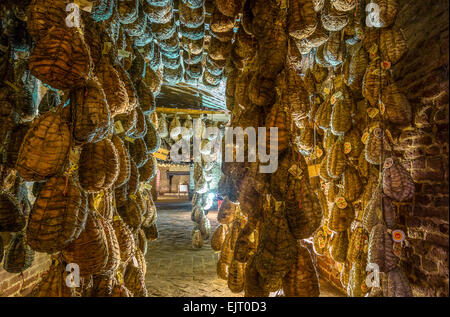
(175, 269)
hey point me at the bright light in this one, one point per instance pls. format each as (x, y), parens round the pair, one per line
(211, 196)
(208, 203)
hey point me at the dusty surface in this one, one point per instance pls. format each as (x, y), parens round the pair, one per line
(175, 269)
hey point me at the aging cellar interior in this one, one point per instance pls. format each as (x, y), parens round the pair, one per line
(226, 148)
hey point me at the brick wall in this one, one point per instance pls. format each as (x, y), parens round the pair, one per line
(176, 180)
(21, 284)
(423, 147)
(423, 76)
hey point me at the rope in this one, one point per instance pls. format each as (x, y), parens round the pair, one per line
(381, 120)
(23, 282)
(68, 174)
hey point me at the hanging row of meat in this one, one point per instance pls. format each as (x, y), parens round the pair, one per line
(321, 74)
(78, 132)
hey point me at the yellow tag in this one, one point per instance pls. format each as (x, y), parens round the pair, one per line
(319, 152)
(79, 30)
(313, 170)
(129, 139)
(365, 137)
(389, 135)
(326, 91)
(72, 169)
(119, 275)
(160, 156)
(295, 171)
(163, 151)
(338, 81)
(251, 237)
(98, 199)
(106, 48)
(381, 107)
(347, 147)
(341, 202)
(278, 205)
(123, 53)
(133, 197)
(116, 218)
(118, 127)
(147, 186)
(372, 112)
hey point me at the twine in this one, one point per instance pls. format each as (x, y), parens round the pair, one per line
(23, 282)
(356, 7)
(68, 174)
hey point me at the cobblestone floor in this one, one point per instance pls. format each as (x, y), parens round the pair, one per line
(175, 269)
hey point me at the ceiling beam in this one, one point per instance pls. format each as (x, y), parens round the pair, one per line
(188, 97)
(187, 111)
